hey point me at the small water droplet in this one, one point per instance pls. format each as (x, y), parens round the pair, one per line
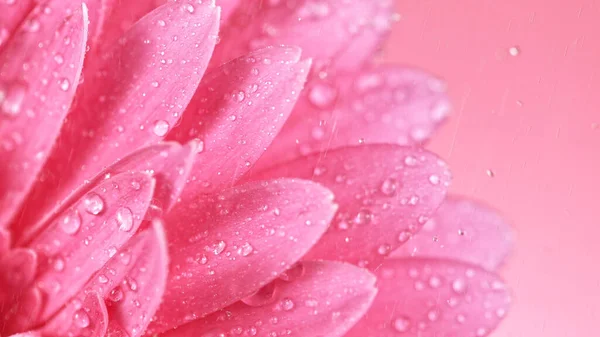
(161, 127)
(246, 249)
(64, 84)
(58, 264)
(11, 99)
(287, 304)
(81, 319)
(71, 222)
(514, 51)
(490, 173)
(102, 279)
(93, 203)
(125, 219)
(116, 294)
(459, 286)
(389, 186)
(363, 217)
(401, 324)
(263, 296)
(322, 95)
(434, 179)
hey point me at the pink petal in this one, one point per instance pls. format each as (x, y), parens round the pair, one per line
(133, 303)
(327, 300)
(139, 92)
(342, 32)
(433, 298)
(87, 318)
(4, 241)
(169, 163)
(382, 104)
(225, 247)
(227, 8)
(385, 193)
(19, 306)
(35, 99)
(237, 112)
(12, 14)
(86, 235)
(462, 230)
(27, 334)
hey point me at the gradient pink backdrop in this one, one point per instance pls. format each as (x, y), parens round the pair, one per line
(533, 119)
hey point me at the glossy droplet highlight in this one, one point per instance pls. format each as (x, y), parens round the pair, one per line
(124, 219)
(81, 319)
(93, 203)
(71, 222)
(11, 98)
(401, 324)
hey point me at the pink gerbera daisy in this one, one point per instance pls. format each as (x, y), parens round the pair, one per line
(186, 168)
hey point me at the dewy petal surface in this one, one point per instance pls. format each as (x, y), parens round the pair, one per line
(226, 246)
(133, 98)
(237, 111)
(345, 33)
(86, 235)
(11, 14)
(385, 193)
(80, 318)
(326, 300)
(463, 230)
(433, 298)
(39, 71)
(386, 104)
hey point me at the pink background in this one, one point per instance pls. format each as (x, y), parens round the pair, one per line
(533, 119)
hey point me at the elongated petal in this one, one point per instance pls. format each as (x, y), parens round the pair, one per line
(39, 71)
(345, 33)
(85, 236)
(80, 318)
(225, 247)
(237, 112)
(433, 298)
(382, 104)
(326, 300)
(462, 230)
(5, 241)
(131, 101)
(12, 14)
(27, 334)
(385, 193)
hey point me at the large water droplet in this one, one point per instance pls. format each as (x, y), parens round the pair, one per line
(161, 128)
(81, 319)
(93, 203)
(124, 219)
(71, 222)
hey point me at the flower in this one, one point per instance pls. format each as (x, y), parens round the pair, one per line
(176, 169)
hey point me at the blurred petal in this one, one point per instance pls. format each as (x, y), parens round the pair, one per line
(225, 247)
(131, 101)
(462, 230)
(39, 71)
(12, 14)
(381, 104)
(345, 33)
(237, 112)
(433, 298)
(385, 193)
(327, 300)
(5, 241)
(85, 236)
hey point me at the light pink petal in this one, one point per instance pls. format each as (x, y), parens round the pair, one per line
(433, 298)
(19, 304)
(80, 318)
(169, 163)
(225, 247)
(385, 193)
(237, 112)
(327, 299)
(133, 303)
(139, 92)
(86, 235)
(39, 71)
(345, 33)
(381, 104)
(12, 13)
(463, 230)
(27, 334)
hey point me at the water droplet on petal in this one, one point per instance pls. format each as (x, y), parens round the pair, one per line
(401, 324)
(287, 304)
(434, 179)
(81, 318)
(11, 99)
(322, 95)
(264, 296)
(161, 128)
(389, 186)
(116, 294)
(459, 286)
(93, 203)
(246, 249)
(124, 219)
(71, 222)
(514, 51)
(64, 84)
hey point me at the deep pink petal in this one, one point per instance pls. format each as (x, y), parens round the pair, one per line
(169, 163)
(326, 300)
(237, 112)
(5, 241)
(227, 7)
(86, 235)
(385, 193)
(225, 247)
(433, 298)
(80, 318)
(39, 71)
(345, 33)
(19, 304)
(138, 93)
(382, 104)
(11, 15)
(133, 303)
(462, 230)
